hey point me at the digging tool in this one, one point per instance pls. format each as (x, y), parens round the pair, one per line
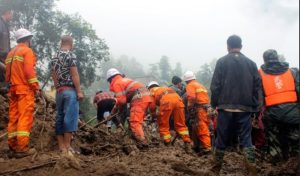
(87, 122)
(108, 119)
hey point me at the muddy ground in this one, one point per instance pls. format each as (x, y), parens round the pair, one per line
(113, 154)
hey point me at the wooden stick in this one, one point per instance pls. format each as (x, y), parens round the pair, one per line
(88, 122)
(104, 121)
(27, 168)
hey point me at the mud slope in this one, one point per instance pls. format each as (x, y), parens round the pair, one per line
(112, 154)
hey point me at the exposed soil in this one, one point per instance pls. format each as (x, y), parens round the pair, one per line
(113, 154)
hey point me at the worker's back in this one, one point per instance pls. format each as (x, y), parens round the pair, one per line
(236, 83)
(19, 62)
(198, 92)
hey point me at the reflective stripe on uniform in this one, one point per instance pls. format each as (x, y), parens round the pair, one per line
(200, 90)
(130, 86)
(12, 135)
(165, 137)
(32, 80)
(16, 58)
(183, 132)
(23, 133)
(118, 94)
(140, 95)
(18, 133)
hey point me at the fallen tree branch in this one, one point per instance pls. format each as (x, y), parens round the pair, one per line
(27, 168)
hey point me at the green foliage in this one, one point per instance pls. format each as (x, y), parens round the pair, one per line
(205, 74)
(154, 71)
(165, 69)
(178, 70)
(129, 66)
(87, 109)
(49, 25)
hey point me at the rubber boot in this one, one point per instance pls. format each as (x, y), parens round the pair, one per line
(249, 157)
(217, 161)
(167, 142)
(205, 151)
(31, 151)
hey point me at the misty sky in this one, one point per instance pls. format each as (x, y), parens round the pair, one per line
(191, 31)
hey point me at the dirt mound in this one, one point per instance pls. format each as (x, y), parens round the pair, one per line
(3, 112)
(112, 153)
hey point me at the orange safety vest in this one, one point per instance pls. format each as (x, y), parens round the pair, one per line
(278, 89)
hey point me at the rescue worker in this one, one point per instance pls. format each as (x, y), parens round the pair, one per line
(235, 91)
(281, 99)
(6, 15)
(169, 103)
(129, 91)
(198, 105)
(21, 76)
(178, 86)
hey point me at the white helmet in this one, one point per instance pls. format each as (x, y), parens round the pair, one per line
(152, 83)
(112, 72)
(189, 75)
(22, 33)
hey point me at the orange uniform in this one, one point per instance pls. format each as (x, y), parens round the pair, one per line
(278, 89)
(169, 104)
(198, 98)
(135, 93)
(20, 74)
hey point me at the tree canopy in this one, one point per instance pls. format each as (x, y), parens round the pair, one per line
(48, 25)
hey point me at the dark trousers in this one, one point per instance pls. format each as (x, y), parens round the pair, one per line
(106, 106)
(230, 124)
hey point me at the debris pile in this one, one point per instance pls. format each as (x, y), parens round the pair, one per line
(112, 153)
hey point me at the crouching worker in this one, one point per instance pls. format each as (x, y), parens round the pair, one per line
(105, 102)
(21, 76)
(170, 104)
(198, 105)
(129, 91)
(68, 93)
